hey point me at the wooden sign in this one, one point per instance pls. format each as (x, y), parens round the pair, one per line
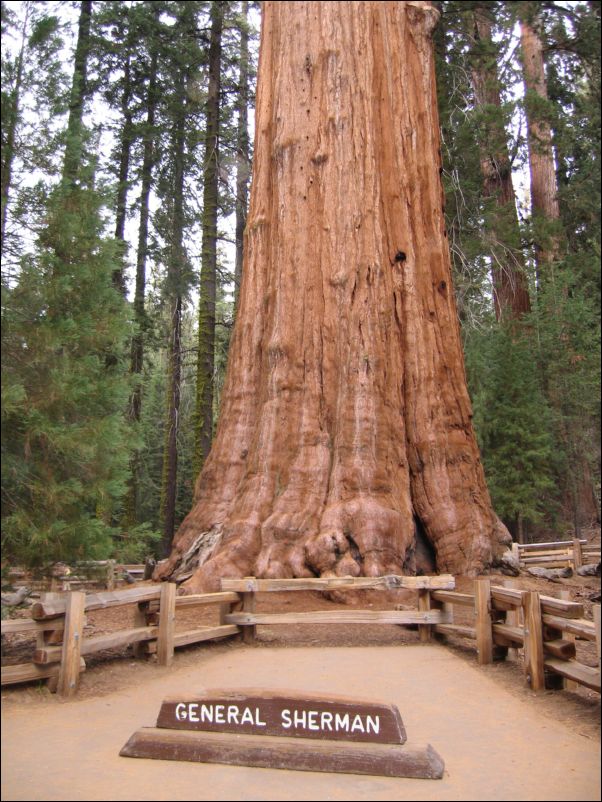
(255, 712)
(279, 731)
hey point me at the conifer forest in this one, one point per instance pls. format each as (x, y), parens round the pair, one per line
(153, 214)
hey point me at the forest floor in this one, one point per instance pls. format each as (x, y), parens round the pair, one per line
(498, 739)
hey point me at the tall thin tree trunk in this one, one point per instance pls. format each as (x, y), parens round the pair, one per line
(13, 102)
(345, 426)
(74, 146)
(544, 190)
(206, 335)
(175, 270)
(243, 163)
(138, 340)
(127, 139)
(511, 293)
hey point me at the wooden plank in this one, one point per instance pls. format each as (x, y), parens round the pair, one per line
(30, 672)
(391, 582)
(206, 598)
(167, 624)
(72, 641)
(508, 635)
(556, 560)
(561, 607)
(580, 627)
(584, 675)
(506, 598)
(110, 640)
(560, 544)
(515, 598)
(452, 597)
(456, 629)
(56, 605)
(534, 663)
(341, 617)
(198, 635)
(29, 625)
(483, 621)
(205, 633)
(285, 714)
(562, 648)
(390, 760)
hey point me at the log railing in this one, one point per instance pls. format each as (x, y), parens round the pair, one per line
(557, 554)
(504, 620)
(58, 621)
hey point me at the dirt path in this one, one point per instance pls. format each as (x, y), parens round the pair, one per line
(495, 745)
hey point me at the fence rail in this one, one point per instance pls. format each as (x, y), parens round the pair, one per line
(557, 554)
(505, 619)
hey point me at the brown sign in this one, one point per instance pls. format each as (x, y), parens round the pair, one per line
(254, 712)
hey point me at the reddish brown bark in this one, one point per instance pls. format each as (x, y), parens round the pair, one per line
(544, 190)
(346, 424)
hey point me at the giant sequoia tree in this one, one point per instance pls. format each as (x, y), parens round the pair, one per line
(345, 439)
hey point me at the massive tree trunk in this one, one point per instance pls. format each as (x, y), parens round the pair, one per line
(345, 435)
(510, 288)
(243, 166)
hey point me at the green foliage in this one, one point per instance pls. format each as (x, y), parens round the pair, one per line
(64, 437)
(513, 422)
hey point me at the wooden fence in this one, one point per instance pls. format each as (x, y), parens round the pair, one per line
(58, 621)
(504, 619)
(557, 554)
(103, 573)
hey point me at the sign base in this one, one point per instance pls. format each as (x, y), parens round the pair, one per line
(300, 754)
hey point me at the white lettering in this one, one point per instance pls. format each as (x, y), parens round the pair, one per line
(374, 723)
(326, 720)
(300, 718)
(341, 722)
(258, 721)
(286, 719)
(181, 711)
(233, 713)
(357, 724)
(207, 713)
(193, 711)
(247, 717)
(219, 714)
(312, 722)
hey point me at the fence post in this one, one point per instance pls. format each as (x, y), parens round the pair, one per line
(513, 619)
(516, 552)
(167, 621)
(248, 606)
(568, 684)
(484, 633)
(72, 643)
(596, 611)
(110, 577)
(577, 554)
(424, 605)
(534, 661)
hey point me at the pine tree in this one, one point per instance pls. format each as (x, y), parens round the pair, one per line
(65, 440)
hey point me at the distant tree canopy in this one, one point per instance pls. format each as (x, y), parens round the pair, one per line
(125, 158)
